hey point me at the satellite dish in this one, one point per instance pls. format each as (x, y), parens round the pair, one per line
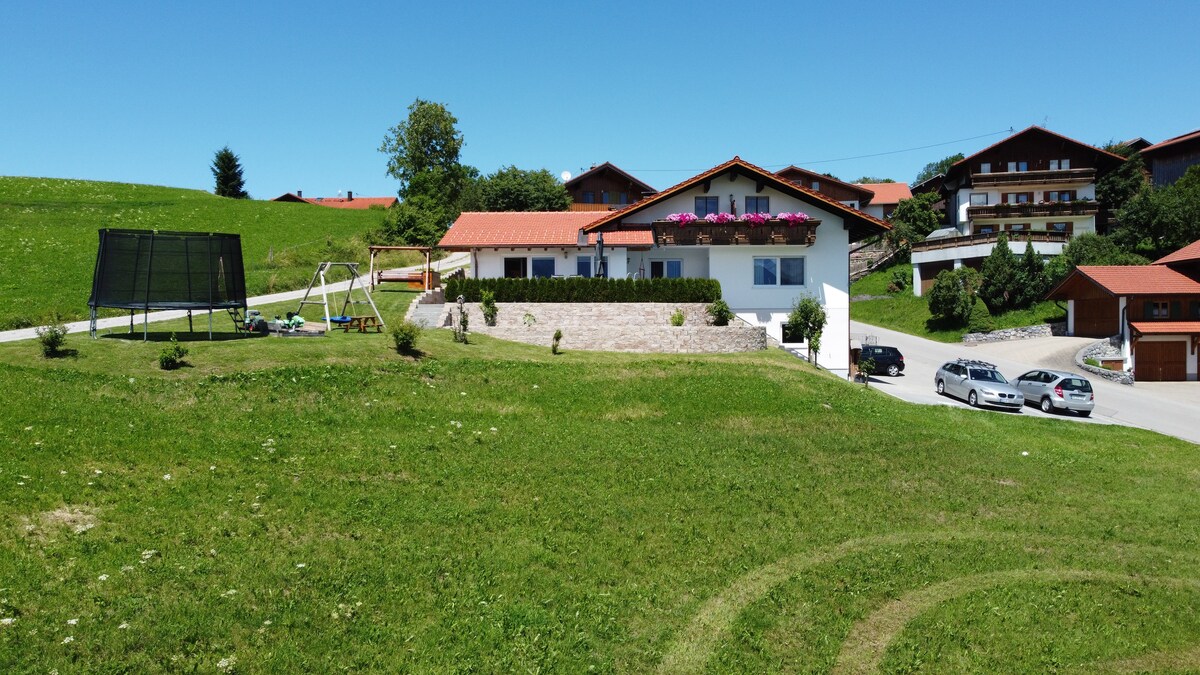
(566, 176)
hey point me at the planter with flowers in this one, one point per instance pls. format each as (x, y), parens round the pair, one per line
(790, 228)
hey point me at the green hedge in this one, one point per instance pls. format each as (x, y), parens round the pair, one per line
(584, 289)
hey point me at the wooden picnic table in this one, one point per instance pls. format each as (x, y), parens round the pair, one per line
(362, 324)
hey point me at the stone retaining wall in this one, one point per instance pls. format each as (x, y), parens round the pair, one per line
(1099, 350)
(1022, 333)
(617, 327)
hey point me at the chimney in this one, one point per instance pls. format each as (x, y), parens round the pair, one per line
(349, 195)
(299, 193)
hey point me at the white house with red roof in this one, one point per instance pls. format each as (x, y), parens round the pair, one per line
(885, 197)
(722, 224)
(1155, 309)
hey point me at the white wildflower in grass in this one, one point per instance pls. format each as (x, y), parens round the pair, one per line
(72, 622)
(462, 393)
(301, 565)
(68, 640)
(7, 621)
(494, 430)
(103, 577)
(535, 386)
(20, 482)
(149, 553)
(62, 473)
(392, 447)
(127, 568)
(166, 476)
(132, 380)
(28, 428)
(123, 626)
(1024, 453)
(98, 472)
(226, 664)
(229, 593)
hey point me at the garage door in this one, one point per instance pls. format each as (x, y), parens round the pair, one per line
(1160, 361)
(1096, 317)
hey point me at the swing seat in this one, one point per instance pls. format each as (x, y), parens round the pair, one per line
(340, 319)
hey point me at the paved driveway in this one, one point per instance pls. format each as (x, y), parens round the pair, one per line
(1167, 407)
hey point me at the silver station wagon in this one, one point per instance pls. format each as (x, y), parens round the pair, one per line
(979, 383)
(1057, 390)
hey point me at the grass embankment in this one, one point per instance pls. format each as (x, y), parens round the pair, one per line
(48, 238)
(294, 505)
(907, 313)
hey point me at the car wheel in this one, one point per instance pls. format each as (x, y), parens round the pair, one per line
(1047, 405)
(893, 370)
(972, 399)
(941, 388)
(1085, 413)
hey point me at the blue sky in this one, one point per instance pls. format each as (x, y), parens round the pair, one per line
(304, 92)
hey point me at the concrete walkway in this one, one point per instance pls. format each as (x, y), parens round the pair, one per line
(1166, 407)
(449, 263)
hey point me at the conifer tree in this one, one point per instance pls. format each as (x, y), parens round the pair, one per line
(227, 169)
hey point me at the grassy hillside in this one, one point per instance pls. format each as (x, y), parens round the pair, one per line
(48, 238)
(297, 505)
(908, 313)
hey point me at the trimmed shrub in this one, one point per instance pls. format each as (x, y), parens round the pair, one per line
(720, 313)
(677, 318)
(487, 305)
(587, 289)
(981, 319)
(52, 337)
(171, 357)
(404, 335)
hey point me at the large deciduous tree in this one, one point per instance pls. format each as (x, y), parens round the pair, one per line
(934, 168)
(1160, 220)
(1089, 249)
(912, 220)
(423, 154)
(513, 189)
(227, 170)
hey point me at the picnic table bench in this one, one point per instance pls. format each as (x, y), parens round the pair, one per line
(362, 324)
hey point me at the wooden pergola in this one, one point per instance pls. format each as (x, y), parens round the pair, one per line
(426, 277)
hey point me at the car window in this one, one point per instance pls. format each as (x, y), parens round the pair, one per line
(1077, 384)
(1031, 376)
(985, 375)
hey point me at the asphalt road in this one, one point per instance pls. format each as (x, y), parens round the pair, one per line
(1166, 407)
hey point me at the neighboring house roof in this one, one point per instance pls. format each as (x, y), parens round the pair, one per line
(506, 229)
(931, 184)
(1188, 253)
(1165, 327)
(1137, 144)
(1121, 280)
(340, 202)
(1182, 138)
(954, 173)
(804, 177)
(608, 166)
(860, 224)
(887, 193)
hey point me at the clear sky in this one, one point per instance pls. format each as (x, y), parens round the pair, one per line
(304, 92)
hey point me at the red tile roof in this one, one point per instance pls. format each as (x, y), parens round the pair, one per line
(887, 193)
(858, 222)
(503, 229)
(356, 203)
(1186, 254)
(1192, 135)
(1140, 279)
(1165, 327)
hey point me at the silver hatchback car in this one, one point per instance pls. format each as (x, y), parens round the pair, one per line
(1055, 390)
(979, 383)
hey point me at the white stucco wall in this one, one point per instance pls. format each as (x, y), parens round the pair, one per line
(962, 201)
(489, 263)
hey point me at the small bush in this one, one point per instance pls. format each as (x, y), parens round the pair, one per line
(52, 337)
(981, 319)
(677, 318)
(405, 335)
(171, 357)
(899, 281)
(557, 339)
(865, 368)
(487, 305)
(720, 313)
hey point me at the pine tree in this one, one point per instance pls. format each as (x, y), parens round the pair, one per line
(227, 169)
(999, 277)
(1031, 280)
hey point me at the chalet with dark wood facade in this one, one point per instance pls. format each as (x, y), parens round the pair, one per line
(1035, 186)
(851, 195)
(604, 188)
(1169, 160)
(1155, 309)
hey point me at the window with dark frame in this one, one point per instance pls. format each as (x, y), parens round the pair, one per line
(666, 269)
(583, 265)
(758, 204)
(589, 197)
(781, 271)
(543, 267)
(1018, 197)
(1060, 164)
(515, 268)
(1061, 228)
(705, 206)
(985, 167)
(1158, 309)
(1018, 166)
(1060, 196)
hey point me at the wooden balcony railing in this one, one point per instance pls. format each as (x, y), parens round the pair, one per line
(1035, 236)
(1061, 176)
(1032, 210)
(667, 233)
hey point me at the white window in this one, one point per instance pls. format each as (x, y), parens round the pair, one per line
(669, 269)
(979, 199)
(779, 271)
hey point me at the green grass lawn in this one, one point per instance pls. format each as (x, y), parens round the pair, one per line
(48, 238)
(297, 505)
(907, 313)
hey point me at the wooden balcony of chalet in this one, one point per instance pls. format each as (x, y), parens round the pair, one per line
(700, 233)
(1034, 210)
(1034, 236)
(1009, 178)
